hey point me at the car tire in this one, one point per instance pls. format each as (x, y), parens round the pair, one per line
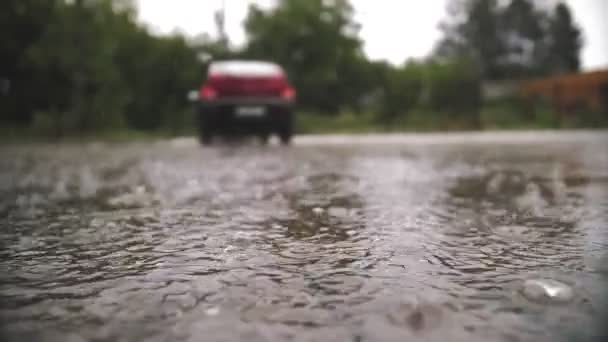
(264, 138)
(205, 138)
(285, 130)
(205, 131)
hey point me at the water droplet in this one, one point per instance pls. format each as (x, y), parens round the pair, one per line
(318, 211)
(214, 311)
(229, 248)
(547, 290)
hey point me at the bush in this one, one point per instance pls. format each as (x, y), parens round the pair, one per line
(454, 87)
(400, 92)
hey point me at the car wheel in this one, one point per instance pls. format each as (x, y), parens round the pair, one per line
(264, 137)
(205, 131)
(205, 138)
(285, 130)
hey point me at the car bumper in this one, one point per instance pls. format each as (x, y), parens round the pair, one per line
(223, 115)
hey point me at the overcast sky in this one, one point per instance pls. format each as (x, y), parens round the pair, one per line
(391, 29)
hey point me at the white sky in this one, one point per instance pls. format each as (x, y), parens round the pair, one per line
(391, 29)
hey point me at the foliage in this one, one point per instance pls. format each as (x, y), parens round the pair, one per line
(473, 34)
(454, 87)
(21, 24)
(401, 89)
(74, 56)
(564, 41)
(523, 30)
(511, 39)
(316, 41)
(87, 66)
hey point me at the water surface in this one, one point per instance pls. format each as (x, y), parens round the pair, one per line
(377, 238)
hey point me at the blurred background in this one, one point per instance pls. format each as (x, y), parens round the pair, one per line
(122, 68)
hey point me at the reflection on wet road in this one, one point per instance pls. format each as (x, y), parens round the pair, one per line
(491, 237)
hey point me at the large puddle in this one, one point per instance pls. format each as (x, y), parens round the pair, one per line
(432, 238)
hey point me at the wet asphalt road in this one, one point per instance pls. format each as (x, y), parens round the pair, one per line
(376, 238)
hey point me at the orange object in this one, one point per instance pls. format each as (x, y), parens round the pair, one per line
(587, 91)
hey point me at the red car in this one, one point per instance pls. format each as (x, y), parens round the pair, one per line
(246, 97)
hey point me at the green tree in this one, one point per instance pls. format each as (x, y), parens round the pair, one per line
(316, 41)
(473, 33)
(511, 39)
(22, 22)
(565, 41)
(455, 87)
(89, 66)
(75, 56)
(522, 30)
(400, 90)
(159, 72)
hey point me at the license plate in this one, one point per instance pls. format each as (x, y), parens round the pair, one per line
(250, 111)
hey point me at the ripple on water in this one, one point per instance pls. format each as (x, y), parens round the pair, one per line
(392, 243)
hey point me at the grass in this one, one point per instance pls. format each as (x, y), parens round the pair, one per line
(17, 134)
(498, 116)
(495, 116)
(313, 123)
(416, 121)
(43, 129)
